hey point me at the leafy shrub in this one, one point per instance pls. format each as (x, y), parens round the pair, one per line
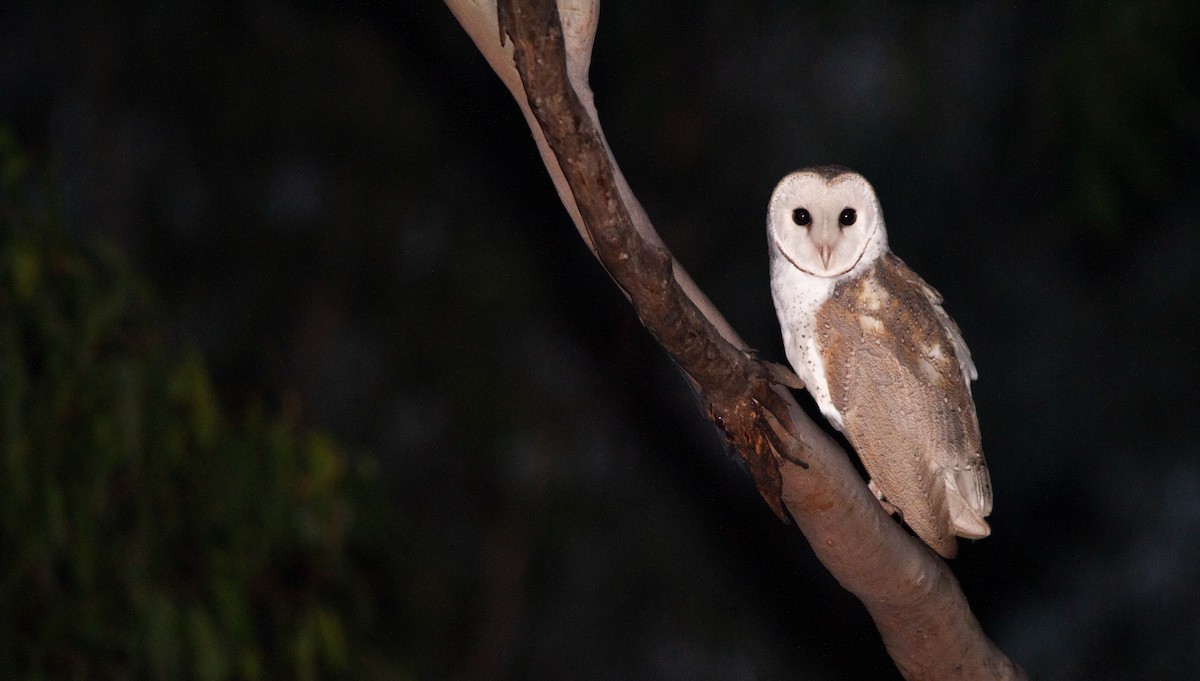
(144, 533)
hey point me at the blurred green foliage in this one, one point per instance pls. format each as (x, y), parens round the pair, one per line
(144, 533)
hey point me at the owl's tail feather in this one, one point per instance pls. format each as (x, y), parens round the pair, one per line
(930, 517)
(965, 521)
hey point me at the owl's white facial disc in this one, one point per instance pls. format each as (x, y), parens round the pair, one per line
(826, 220)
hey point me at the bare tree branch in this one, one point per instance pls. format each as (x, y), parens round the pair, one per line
(910, 593)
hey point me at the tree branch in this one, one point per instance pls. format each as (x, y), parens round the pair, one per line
(910, 593)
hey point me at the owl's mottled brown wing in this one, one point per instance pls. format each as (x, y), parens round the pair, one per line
(899, 377)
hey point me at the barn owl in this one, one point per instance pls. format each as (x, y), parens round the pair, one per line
(883, 361)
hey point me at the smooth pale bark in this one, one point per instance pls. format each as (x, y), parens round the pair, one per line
(542, 50)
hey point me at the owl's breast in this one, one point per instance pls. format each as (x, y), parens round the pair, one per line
(798, 296)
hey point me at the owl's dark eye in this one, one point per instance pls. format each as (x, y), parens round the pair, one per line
(847, 217)
(801, 217)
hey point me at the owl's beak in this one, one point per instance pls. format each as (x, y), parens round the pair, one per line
(826, 252)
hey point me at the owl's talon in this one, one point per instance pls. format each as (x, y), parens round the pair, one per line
(781, 375)
(888, 508)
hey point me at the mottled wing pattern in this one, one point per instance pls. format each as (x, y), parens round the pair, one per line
(968, 465)
(899, 374)
(935, 299)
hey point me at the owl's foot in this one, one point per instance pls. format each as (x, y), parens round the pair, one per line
(777, 421)
(781, 375)
(890, 509)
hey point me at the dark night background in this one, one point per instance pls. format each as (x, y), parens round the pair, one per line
(340, 206)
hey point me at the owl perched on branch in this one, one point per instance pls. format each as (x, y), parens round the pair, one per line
(884, 362)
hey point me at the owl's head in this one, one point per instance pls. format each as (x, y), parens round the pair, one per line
(825, 220)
